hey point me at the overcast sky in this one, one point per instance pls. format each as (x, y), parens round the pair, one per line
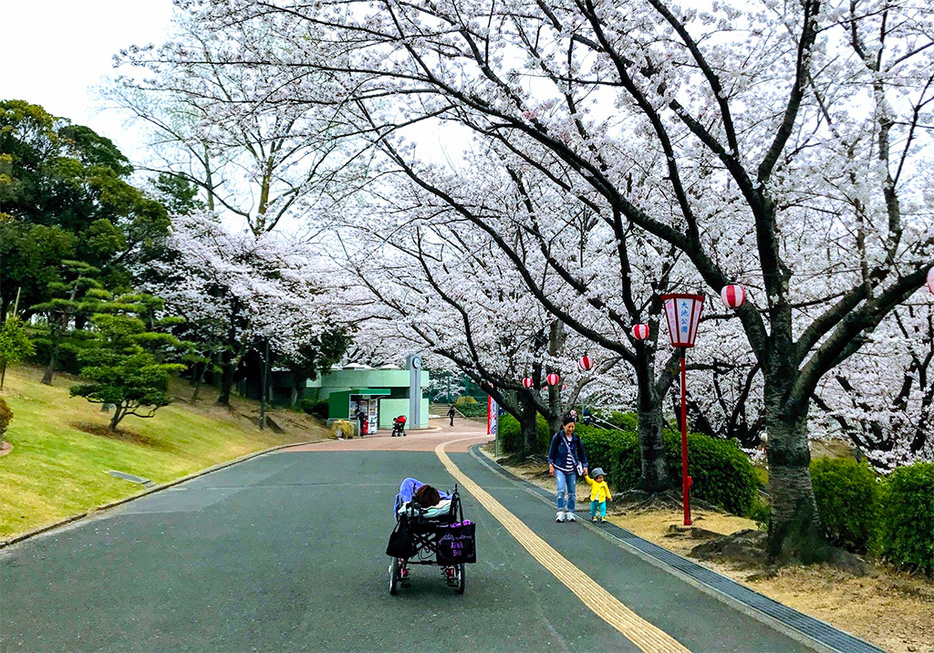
(53, 52)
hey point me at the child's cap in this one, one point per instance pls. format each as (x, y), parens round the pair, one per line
(597, 471)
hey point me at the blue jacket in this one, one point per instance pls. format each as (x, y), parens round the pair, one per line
(558, 453)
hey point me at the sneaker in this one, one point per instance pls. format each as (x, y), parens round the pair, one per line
(602, 520)
(594, 518)
(559, 517)
(569, 516)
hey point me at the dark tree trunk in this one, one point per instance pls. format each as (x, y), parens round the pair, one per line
(53, 359)
(200, 369)
(119, 414)
(227, 380)
(528, 424)
(795, 529)
(654, 463)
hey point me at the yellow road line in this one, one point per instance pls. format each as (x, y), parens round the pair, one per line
(606, 606)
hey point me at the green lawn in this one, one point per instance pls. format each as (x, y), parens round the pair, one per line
(56, 469)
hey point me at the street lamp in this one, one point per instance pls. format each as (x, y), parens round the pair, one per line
(683, 313)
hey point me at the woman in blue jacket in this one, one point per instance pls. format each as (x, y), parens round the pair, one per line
(566, 459)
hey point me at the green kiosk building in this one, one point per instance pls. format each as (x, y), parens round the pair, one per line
(382, 394)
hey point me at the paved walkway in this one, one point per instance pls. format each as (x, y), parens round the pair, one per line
(285, 552)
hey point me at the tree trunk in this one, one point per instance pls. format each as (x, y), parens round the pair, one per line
(654, 463)
(199, 380)
(795, 530)
(227, 380)
(2, 374)
(119, 414)
(528, 424)
(53, 359)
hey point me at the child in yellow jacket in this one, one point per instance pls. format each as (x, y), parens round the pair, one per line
(599, 495)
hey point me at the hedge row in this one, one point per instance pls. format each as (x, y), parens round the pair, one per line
(511, 435)
(721, 474)
(891, 518)
(864, 512)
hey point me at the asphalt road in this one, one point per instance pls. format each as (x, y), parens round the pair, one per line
(285, 552)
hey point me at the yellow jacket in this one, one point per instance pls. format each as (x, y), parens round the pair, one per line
(598, 491)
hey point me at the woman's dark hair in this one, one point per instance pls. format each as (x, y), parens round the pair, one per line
(567, 420)
(426, 496)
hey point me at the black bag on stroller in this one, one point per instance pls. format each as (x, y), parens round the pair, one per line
(457, 543)
(401, 543)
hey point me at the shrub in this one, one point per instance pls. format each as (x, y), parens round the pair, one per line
(721, 474)
(617, 452)
(464, 400)
(511, 435)
(316, 408)
(625, 421)
(761, 513)
(907, 529)
(474, 409)
(6, 416)
(848, 500)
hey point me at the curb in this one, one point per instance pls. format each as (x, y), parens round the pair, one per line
(119, 502)
(810, 631)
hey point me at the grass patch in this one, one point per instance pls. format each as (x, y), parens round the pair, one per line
(62, 451)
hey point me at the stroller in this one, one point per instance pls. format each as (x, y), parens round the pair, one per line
(437, 535)
(398, 427)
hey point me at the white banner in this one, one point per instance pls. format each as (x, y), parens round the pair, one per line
(491, 413)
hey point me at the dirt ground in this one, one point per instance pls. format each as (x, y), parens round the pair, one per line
(888, 608)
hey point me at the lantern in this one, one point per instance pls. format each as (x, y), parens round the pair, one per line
(733, 296)
(585, 362)
(683, 315)
(640, 331)
(682, 312)
(528, 382)
(931, 280)
(564, 387)
(553, 379)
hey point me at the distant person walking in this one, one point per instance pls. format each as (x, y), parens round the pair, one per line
(361, 421)
(451, 413)
(566, 459)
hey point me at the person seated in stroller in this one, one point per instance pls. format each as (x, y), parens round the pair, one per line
(423, 515)
(398, 426)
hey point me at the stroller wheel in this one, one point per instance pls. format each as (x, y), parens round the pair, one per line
(394, 576)
(459, 578)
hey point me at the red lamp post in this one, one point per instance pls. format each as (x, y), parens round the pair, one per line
(682, 312)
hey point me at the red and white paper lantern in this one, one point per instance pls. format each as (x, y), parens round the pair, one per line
(564, 387)
(585, 362)
(682, 312)
(733, 296)
(931, 280)
(640, 331)
(553, 379)
(528, 382)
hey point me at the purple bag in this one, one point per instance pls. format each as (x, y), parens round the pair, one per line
(457, 543)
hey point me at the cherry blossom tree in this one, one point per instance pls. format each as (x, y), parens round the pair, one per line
(235, 289)
(207, 125)
(765, 126)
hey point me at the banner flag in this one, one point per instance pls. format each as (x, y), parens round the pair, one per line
(492, 411)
